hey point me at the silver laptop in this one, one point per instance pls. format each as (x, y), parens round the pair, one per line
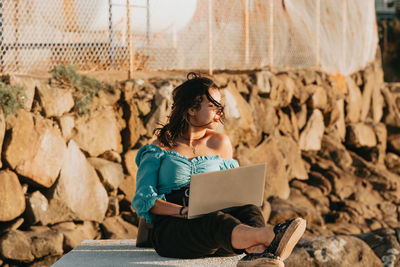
(219, 190)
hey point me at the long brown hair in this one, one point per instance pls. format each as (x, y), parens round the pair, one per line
(187, 95)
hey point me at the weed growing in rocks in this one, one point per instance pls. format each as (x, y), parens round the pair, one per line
(11, 98)
(86, 87)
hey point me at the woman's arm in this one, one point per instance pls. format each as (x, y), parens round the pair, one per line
(162, 207)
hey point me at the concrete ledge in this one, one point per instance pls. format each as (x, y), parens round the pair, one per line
(125, 253)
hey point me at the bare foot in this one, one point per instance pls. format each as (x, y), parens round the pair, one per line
(256, 249)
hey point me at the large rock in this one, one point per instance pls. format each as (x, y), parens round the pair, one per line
(291, 152)
(318, 99)
(111, 173)
(55, 101)
(340, 124)
(311, 136)
(76, 233)
(239, 124)
(163, 102)
(385, 243)
(98, 132)
(129, 160)
(333, 251)
(2, 132)
(67, 124)
(16, 245)
(12, 200)
(28, 84)
(360, 135)
(265, 117)
(37, 208)
(353, 101)
(283, 93)
(373, 78)
(135, 125)
(262, 81)
(36, 149)
(45, 241)
(117, 228)
(276, 180)
(79, 187)
(128, 187)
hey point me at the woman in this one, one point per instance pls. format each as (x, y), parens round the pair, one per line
(188, 145)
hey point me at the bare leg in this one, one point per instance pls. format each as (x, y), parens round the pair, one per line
(247, 237)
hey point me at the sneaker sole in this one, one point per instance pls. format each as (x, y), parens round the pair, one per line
(265, 262)
(290, 238)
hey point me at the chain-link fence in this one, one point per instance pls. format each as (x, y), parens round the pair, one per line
(336, 36)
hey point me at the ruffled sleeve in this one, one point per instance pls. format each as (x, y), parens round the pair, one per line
(229, 164)
(148, 160)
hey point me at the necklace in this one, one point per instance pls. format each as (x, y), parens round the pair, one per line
(194, 142)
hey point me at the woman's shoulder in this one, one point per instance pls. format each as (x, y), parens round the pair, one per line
(221, 143)
(150, 150)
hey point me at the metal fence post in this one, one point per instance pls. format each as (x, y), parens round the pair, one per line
(271, 32)
(317, 35)
(210, 38)
(344, 27)
(111, 31)
(129, 38)
(2, 49)
(246, 32)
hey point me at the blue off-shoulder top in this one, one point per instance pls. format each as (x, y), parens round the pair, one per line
(161, 171)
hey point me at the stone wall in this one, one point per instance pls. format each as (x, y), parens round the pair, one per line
(330, 143)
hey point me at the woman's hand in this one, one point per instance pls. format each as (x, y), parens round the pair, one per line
(162, 207)
(183, 211)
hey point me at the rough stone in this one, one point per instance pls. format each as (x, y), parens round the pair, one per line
(288, 123)
(265, 117)
(276, 180)
(128, 186)
(76, 233)
(2, 132)
(372, 83)
(335, 150)
(301, 116)
(11, 225)
(340, 124)
(262, 82)
(79, 187)
(394, 142)
(318, 99)
(98, 132)
(37, 208)
(353, 101)
(67, 124)
(333, 251)
(113, 207)
(311, 136)
(129, 160)
(283, 93)
(111, 173)
(16, 245)
(360, 135)
(28, 84)
(239, 124)
(111, 156)
(55, 101)
(135, 125)
(36, 141)
(159, 117)
(385, 244)
(291, 152)
(117, 228)
(46, 242)
(12, 200)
